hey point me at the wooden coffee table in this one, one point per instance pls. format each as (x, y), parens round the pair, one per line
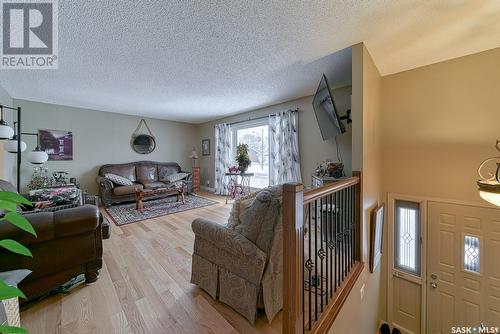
(140, 195)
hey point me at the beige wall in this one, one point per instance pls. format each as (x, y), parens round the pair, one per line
(102, 137)
(311, 146)
(439, 123)
(363, 315)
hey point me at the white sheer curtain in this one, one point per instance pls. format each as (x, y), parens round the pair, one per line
(223, 156)
(284, 148)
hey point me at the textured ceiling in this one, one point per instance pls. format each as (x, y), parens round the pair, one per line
(199, 60)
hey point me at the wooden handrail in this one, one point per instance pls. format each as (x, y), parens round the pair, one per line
(316, 193)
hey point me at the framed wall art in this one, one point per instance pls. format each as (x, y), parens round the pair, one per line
(205, 147)
(376, 237)
(57, 143)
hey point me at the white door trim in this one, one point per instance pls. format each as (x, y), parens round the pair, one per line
(391, 199)
(480, 204)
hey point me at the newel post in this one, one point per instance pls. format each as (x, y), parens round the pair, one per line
(359, 217)
(293, 272)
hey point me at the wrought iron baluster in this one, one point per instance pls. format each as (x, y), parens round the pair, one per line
(350, 227)
(331, 244)
(309, 267)
(303, 252)
(353, 213)
(321, 252)
(327, 222)
(341, 237)
(356, 219)
(327, 282)
(349, 194)
(316, 260)
(346, 234)
(337, 243)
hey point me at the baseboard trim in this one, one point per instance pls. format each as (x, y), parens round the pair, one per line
(207, 189)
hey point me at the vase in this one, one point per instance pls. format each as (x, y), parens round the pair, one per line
(242, 169)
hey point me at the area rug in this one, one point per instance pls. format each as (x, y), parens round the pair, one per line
(123, 214)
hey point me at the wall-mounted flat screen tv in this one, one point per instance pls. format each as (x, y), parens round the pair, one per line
(326, 111)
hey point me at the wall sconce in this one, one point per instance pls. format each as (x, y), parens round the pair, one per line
(489, 184)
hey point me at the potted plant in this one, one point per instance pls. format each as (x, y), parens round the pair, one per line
(242, 157)
(9, 202)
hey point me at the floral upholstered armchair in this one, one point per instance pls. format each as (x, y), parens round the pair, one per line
(241, 263)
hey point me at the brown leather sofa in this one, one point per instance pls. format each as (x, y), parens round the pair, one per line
(144, 175)
(68, 243)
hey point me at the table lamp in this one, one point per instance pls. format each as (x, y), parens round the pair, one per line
(193, 156)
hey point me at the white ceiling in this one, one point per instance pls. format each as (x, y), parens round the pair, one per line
(195, 61)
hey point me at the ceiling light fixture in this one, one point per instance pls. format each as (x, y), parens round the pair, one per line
(489, 184)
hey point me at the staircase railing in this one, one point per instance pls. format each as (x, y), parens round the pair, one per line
(322, 253)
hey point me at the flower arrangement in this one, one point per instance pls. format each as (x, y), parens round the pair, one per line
(242, 157)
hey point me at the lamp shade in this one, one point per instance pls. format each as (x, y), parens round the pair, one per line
(193, 155)
(37, 156)
(489, 190)
(489, 184)
(493, 198)
(6, 132)
(11, 146)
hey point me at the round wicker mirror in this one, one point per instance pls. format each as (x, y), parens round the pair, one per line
(143, 144)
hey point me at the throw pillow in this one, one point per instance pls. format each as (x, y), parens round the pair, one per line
(258, 221)
(119, 180)
(175, 177)
(235, 214)
(244, 205)
(252, 218)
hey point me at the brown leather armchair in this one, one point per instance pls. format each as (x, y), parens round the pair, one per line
(68, 243)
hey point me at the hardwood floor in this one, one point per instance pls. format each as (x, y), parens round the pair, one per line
(144, 287)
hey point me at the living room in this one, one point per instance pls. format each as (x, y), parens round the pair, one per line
(221, 168)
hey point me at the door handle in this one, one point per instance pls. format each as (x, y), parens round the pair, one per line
(434, 285)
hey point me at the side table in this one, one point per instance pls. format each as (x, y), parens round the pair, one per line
(195, 177)
(238, 187)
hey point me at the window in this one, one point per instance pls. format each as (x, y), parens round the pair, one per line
(471, 253)
(407, 237)
(256, 135)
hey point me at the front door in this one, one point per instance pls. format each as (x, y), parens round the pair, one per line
(463, 267)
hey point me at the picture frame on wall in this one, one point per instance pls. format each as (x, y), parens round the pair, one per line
(205, 147)
(57, 143)
(376, 236)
